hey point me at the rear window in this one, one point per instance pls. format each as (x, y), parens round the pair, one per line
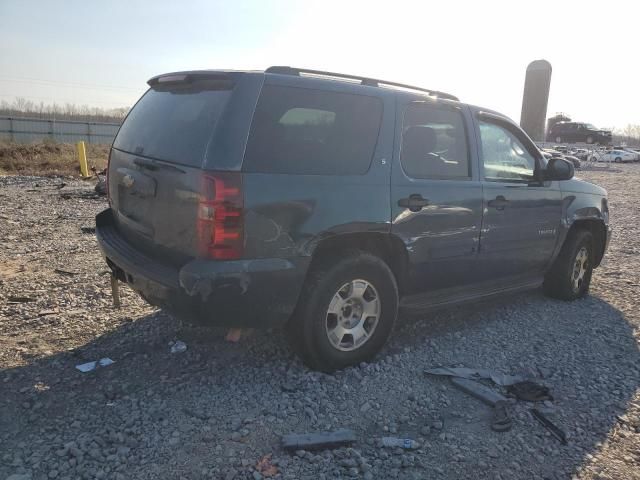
(173, 124)
(313, 132)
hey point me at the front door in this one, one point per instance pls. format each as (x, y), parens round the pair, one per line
(436, 197)
(522, 216)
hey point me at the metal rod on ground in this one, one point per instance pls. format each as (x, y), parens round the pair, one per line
(115, 291)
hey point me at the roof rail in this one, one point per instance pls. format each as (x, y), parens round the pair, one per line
(371, 82)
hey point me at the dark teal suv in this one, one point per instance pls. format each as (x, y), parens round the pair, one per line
(322, 203)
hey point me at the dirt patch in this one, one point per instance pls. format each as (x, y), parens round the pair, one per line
(48, 159)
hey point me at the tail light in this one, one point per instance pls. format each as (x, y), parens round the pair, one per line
(220, 219)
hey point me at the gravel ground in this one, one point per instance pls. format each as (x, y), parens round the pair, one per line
(217, 409)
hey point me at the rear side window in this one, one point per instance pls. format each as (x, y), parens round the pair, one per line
(173, 123)
(434, 143)
(312, 132)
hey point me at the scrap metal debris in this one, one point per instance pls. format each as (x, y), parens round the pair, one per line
(549, 425)
(90, 366)
(319, 440)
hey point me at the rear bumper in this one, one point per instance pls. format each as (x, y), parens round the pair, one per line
(240, 293)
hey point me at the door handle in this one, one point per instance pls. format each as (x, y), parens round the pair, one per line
(498, 203)
(415, 202)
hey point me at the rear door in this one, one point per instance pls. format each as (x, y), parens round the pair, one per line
(156, 163)
(436, 198)
(522, 216)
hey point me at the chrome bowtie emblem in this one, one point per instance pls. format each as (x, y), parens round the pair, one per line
(128, 181)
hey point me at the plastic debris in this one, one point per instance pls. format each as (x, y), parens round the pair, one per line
(501, 421)
(549, 425)
(265, 467)
(477, 374)
(319, 440)
(233, 335)
(59, 271)
(179, 347)
(115, 291)
(20, 299)
(395, 442)
(530, 391)
(478, 390)
(90, 366)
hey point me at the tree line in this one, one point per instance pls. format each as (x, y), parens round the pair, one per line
(21, 107)
(629, 135)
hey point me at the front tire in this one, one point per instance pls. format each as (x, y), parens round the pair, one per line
(589, 139)
(346, 312)
(618, 160)
(570, 275)
(558, 139)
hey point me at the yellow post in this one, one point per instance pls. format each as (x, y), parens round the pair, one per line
(82, 157)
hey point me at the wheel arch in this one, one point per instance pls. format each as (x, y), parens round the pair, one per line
(386, 246)
(598, 230)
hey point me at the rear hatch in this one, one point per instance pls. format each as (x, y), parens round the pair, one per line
(157, 161)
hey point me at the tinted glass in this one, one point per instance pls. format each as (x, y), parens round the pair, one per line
(504, 156)
(173, 124)
(434, 143)
(304, 131)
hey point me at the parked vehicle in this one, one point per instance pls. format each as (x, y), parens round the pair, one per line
(636, 155)
(637, 151)
(573, 159)
(321, 203)
(580, 153)
(617, 156)
(553, 153)
(575, 132)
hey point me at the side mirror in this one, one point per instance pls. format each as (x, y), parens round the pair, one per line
(559, 169)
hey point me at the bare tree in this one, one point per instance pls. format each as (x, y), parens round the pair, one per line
(21, 107)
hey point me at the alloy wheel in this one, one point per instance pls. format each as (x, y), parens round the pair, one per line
(353, 315)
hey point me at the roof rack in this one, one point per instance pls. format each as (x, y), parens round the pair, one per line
(371, 82)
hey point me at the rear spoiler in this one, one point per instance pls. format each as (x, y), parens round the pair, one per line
(214, 80)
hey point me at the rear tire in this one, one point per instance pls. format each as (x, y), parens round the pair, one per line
(353, 292)
(558, 139)
(570, 275)
(618, 160)
(589, 139)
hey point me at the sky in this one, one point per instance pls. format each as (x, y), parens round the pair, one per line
(101, 53)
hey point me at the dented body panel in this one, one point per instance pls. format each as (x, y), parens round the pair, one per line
(455, 248)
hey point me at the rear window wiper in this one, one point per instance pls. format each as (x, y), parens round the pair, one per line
(151, 165)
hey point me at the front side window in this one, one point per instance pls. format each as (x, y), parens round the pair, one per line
(434, 143)
(504, 156)
(312, 132)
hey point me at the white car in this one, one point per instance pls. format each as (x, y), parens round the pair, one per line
(614, 156)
